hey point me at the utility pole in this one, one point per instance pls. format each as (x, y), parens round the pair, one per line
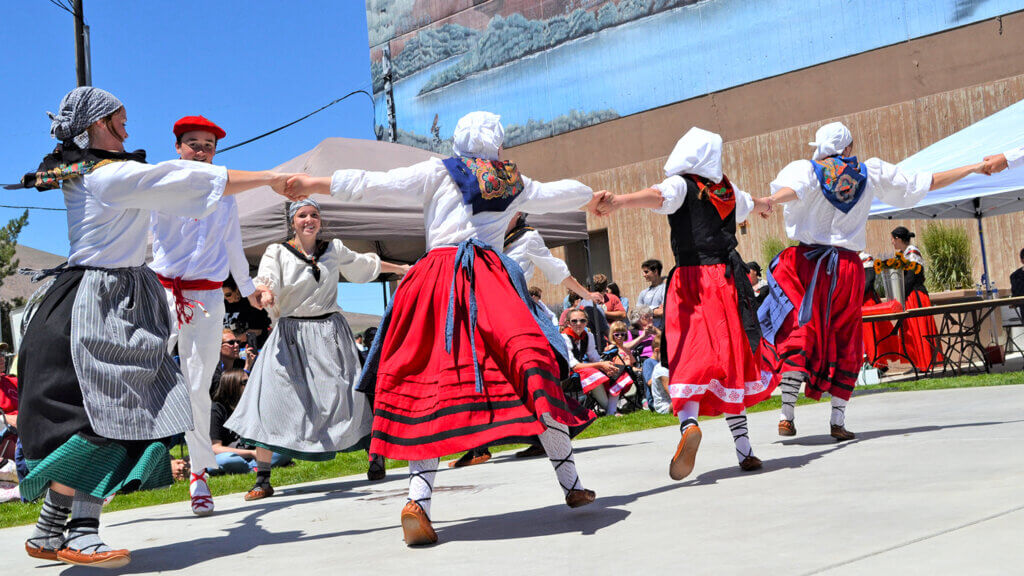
(389, 95)
(83, 67)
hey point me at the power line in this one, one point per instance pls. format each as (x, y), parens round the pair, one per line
(322, 108)
(63, 7)
(33, 208)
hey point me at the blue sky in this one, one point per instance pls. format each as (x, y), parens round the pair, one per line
(249, 66)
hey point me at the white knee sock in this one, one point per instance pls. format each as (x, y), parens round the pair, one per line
(689, 411)
(790, 386)
(558, 446)
(421, 481)
(738, 425)
(838, 412)
(613, 405)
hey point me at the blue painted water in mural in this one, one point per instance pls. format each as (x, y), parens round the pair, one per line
(680, 54)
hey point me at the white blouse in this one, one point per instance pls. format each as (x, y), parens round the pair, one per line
(204, 249)
(297, 292)
(812, 219)
(1015, 157)
(109, 208)
(448, 221)
(530, 253)
(673, 193)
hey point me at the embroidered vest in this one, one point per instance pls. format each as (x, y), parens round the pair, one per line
(842, 180)
(486, 185)
(703, 229)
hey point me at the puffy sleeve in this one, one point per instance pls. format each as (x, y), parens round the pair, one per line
(354, 266)
(554, 197)
(176, 187)
(270, 272)
(407, 186)
(797, 175)
(673, 192)
(744, 205)
(896, 187)
(237, 262)
(1015, 157)
(554, 269)
(914, 255)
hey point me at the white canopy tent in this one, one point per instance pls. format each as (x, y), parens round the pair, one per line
(395, 233)
(976, 196)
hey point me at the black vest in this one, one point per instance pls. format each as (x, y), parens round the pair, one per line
(699, 234)
(578, 348)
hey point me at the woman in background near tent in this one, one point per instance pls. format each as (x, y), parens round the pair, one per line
(711, 332)
(918, 333)
(461, 360)
(880, 345)
(99, 392)
(301, 398)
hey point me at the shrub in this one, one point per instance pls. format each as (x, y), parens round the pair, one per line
(770, 248)
(947, 252)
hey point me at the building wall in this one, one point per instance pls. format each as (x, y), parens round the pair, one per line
(890, 132)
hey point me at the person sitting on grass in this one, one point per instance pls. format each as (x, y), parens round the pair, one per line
(233, 457)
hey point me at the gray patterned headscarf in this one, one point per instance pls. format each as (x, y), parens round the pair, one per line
(78, 110)
(294, 207)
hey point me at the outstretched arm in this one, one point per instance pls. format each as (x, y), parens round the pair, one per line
(242, 180)
(572, 284)
(396, 269)
(941, 179)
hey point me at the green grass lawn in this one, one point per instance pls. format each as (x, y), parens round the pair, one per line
(18, 513)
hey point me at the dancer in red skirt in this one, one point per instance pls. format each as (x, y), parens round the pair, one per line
(460, 359)
(880, 345)
(711, 332)
(811, 321)
(916, 331)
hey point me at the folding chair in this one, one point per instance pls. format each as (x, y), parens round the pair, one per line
(1011, 320)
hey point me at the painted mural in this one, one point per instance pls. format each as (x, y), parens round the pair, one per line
(551, 66)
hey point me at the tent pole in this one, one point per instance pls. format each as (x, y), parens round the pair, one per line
(586, 250)
(981, 239)
(384, 291)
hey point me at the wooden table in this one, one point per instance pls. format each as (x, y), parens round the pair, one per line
(959, 332)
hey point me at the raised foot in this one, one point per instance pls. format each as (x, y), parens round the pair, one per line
(416, 526)
(686, 454)
(577, 498)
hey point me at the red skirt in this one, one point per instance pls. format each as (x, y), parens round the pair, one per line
(425, 402)
(709, 355)
(880, 345)
(829, 349)
(591, 378)
(920, 349)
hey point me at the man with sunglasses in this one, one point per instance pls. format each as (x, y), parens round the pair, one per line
(192, 258)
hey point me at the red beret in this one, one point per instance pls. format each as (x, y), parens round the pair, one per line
(190, 123)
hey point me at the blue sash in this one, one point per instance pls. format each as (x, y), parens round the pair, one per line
(842, 180)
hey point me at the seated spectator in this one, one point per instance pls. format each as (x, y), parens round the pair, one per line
(658, 383)
(595, 374)
(572, 302)
(654, 295)
(759, 284)
(619, 351)
(613, 309)
(1017, 282)
(613, 289)
(241, 316)
(232, 456)
(9, 476)
(648, 335)
(232, 357)
(536, 293)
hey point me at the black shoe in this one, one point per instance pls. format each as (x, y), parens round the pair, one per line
(531, 452)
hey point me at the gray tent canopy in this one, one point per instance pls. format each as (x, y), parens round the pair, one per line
(394, 233)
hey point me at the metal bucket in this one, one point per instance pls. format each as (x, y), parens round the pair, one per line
(894, 289)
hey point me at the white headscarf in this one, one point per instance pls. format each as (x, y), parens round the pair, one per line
(697, 152)
(478, 135)
(831, 139)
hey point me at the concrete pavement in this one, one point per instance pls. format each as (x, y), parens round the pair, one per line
(934, 484)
